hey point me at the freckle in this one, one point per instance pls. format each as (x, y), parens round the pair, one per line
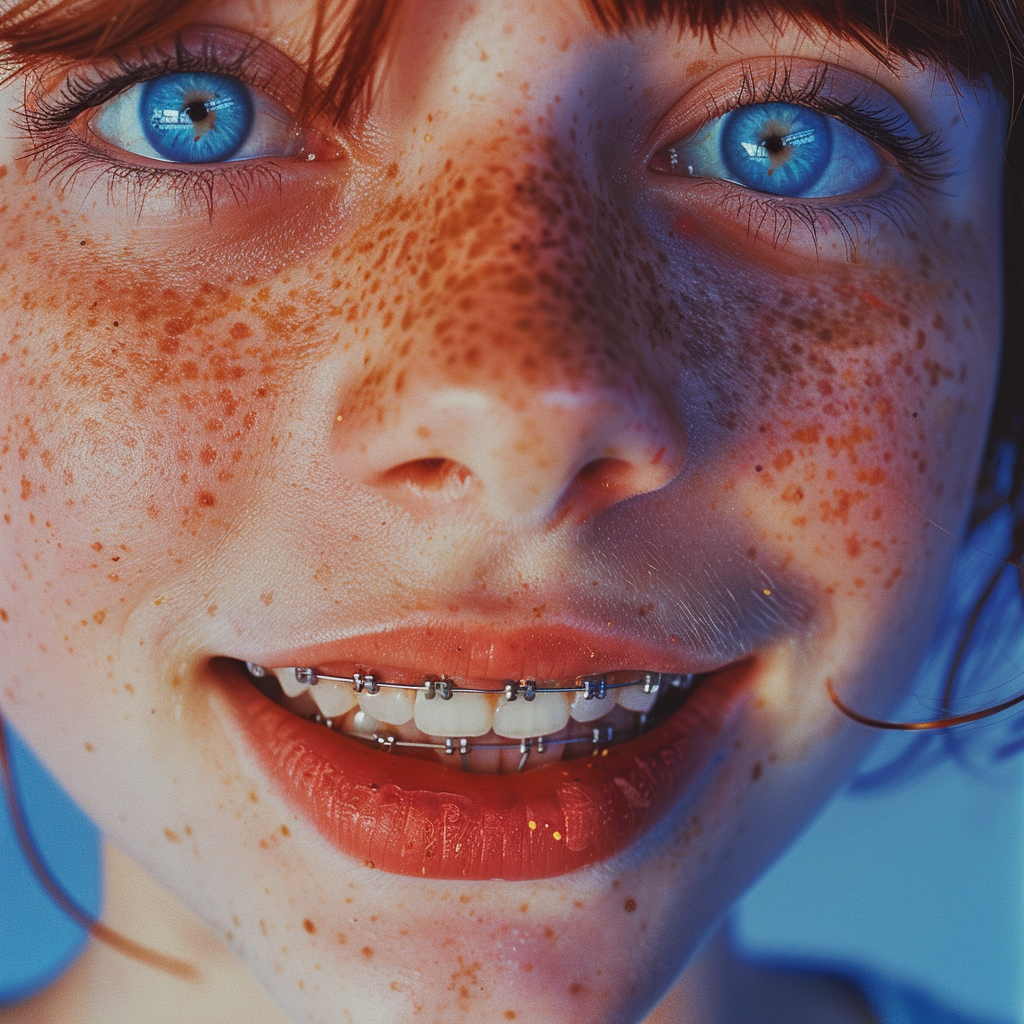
(510, 1015)
(240, 331)
(212, 610)
(755, 772)
(172, 836)
(26, 489)
(630, 905)
(99, 616)
(89, 747)
(367, 952)
(207, 499)
(285, 831)
(575, 988)
(309, 926)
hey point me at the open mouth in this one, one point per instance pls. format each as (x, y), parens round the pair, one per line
(476, 778)
(474, 726)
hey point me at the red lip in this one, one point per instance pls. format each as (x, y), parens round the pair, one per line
(468, 651)
(413, 817)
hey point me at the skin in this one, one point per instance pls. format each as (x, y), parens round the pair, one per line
(217, 439)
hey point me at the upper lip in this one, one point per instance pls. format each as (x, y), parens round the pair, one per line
(489, 652)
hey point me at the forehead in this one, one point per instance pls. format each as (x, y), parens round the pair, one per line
(355, 31)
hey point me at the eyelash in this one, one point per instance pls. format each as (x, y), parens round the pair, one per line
(920, 157)
(922, 160)
(63, 156)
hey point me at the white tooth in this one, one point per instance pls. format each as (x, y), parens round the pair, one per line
(393, 706)
(333, 699)
(466, 714)
(583, 710)
(633, 698)
(519, 719)
(291, 686)
(304, 706)
(363, 724)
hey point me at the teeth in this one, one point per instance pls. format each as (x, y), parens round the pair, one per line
(515, 729)
(333, 699)
(291, 686)
(364, 725)
(393, 706)
(634, 698)
(466, 714)
(520, 718)
(583, 710)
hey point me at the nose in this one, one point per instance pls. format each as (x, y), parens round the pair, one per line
(507, 367)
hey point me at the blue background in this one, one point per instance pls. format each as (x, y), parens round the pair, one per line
(37, 941)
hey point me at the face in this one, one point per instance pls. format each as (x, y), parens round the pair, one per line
(582, 358)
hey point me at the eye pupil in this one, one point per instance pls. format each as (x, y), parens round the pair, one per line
(197, 111)
(775, 144)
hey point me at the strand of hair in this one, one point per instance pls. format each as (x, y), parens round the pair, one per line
(97, 929)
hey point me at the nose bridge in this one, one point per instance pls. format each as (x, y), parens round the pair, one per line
(498, 346)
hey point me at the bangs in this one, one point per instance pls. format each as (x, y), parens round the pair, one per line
(973, 37)
(348, 39)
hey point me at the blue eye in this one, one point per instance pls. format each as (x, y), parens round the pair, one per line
(197, 118)
(781, 149)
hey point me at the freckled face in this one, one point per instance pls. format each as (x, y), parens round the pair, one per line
(490, 368)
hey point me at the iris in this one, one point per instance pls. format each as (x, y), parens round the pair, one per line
(776, 147)
(195, 118)
(782, 149)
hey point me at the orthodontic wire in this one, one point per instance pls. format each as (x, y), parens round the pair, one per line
(592, 689)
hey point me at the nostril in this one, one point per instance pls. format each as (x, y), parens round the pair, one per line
(607, 480)
(604, 482)
(436, 477)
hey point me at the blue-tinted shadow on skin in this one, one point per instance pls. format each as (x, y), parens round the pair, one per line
(37, 940)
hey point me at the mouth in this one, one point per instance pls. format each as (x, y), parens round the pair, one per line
(469, 777)
(468, 724)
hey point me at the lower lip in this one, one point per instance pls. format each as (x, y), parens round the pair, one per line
(413, 817)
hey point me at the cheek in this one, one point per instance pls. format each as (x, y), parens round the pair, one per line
(137, 413)
(865, 408)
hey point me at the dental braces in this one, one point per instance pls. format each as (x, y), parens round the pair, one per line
(592, 687)
(599, 738)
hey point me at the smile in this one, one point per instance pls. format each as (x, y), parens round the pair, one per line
(522, 725)
(473, 777)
